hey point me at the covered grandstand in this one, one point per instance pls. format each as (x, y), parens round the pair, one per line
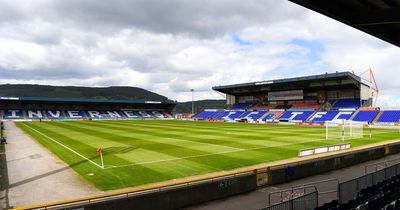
(311, 99)
(38, 108)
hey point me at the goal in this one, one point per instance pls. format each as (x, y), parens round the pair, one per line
(344, 129)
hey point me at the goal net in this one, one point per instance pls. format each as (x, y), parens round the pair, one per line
(344, 129)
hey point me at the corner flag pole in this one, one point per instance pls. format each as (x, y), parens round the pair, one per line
(102, 162)
(100, 151)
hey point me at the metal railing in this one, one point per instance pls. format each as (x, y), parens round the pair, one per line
(380, 165)
(349, 190)
(281, 196)
(306, 201)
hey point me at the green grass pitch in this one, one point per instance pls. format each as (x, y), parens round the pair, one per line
(140, 152)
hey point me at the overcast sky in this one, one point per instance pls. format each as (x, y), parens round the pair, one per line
(172, 46)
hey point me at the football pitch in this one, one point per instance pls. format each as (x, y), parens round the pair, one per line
(141, 152)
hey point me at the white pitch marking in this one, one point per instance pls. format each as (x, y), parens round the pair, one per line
(63, 146)
(218, 153)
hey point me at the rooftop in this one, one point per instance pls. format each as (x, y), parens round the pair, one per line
(80, 100)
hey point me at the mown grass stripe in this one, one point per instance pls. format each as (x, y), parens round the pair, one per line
(157, 148)
(66, 147)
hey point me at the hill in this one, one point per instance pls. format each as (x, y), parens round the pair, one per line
(116, 92)
(186, 107)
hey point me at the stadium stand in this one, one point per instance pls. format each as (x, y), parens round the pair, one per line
(365, 116)
(299, 115)
(389, 116)
(293, 99)
(77, 114)
(39, 108)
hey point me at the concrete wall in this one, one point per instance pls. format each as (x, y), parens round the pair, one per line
(286, 173)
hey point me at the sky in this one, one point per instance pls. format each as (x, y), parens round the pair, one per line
(170, 47)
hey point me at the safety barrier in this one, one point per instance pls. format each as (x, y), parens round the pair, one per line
(304, 202)
(349, 190)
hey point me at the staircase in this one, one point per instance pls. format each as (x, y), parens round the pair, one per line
(334, 103)
(325, 107)
(276, 116)
(309, 117)
(262, 117)
(377, 117)
(354, 114)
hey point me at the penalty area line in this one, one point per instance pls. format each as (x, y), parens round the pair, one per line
(66, 147)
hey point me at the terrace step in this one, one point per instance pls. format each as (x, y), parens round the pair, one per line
(354, 115)
(377, 117)
(262, 117)
(309, 117)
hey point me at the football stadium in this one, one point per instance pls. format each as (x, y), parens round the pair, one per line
(290, 143)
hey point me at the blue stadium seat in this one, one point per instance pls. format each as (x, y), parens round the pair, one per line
(203, 115)
(365, 116)
(75, 114)
(244, 114)
(296, 115)
(269, 116)
(13, 114)
(241, 105)
(330, 115)
(347, 104)
(54, 114)
(221, 116)
(390, 116)
(235, 115)
(256, 115)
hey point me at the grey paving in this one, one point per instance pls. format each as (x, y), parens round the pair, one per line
(36, 176)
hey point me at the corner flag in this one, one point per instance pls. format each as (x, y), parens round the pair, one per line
(100, 152)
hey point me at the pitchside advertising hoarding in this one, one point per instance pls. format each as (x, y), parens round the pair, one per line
(285, 95)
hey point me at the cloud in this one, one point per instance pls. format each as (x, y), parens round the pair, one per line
(173, 46)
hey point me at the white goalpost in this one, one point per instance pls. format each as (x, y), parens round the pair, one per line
(344, 129)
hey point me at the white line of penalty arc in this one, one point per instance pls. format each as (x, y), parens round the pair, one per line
(66, 147)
